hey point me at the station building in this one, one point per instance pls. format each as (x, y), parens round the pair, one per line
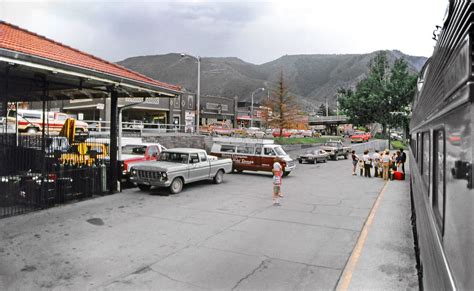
(37, 70)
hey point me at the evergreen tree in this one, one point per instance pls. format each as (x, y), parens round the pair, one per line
(383, 96)
(282, 107)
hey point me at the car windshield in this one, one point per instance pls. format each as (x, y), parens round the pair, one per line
(133, 150)
(279, 151)
(331, 144)
(174, 157)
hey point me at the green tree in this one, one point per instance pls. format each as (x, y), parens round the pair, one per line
(401, 89)
(383, 96)
(331, 111)
(282, 107)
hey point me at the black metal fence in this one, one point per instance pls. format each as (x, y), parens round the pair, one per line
(34, 175)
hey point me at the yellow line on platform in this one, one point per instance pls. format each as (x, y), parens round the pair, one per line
(346, 277)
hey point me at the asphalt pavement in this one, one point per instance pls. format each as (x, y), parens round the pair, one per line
(226, 236)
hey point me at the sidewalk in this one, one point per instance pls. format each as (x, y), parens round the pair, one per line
(384, 258)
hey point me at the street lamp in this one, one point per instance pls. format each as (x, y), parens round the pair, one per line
(198, 93)
(251, 107)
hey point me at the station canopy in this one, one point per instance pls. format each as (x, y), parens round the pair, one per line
(33, 67)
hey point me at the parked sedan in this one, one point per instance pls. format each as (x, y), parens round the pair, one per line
(360, 136)
(255, 132)
(395, 136)
(285, 133)
(313, 156)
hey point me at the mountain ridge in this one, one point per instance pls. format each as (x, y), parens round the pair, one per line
(310, 77)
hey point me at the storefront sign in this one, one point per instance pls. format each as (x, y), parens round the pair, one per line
(215, 106)
(153, 100)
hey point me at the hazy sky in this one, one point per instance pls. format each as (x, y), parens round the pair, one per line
(255, 31)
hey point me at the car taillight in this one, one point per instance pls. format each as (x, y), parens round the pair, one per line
(52, 177)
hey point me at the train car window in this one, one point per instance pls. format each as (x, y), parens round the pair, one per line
(418, 148)
(439, 162)
(413, 142)
(425, 163)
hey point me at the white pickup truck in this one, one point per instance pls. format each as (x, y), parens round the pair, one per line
(336, 148)
(176, 167)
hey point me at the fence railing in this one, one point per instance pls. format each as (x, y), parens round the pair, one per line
(135, 128)
(39, 173)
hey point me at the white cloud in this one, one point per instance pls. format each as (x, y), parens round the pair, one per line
(256, 31)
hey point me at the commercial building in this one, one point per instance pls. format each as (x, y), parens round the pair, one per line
(218, 109)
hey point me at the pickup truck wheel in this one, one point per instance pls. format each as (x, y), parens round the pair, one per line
(144, 187)
(334, 157)
(300, 161)
(176, 186)
(219, 177)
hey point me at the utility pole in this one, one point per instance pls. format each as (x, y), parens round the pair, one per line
(198, 95)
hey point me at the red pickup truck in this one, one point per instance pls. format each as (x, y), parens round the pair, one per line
(137, 153)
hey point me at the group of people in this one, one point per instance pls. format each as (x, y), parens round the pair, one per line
(383, 163)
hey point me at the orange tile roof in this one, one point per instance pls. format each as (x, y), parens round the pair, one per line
(20, 40)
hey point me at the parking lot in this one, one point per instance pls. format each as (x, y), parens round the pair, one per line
(226, 236)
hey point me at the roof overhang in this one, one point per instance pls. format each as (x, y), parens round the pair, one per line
(25, 76)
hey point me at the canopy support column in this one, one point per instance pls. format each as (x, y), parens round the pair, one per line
(4, 105)
(113, 181)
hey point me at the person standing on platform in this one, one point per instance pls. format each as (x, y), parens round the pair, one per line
(355, 159)
(376, 161)
(367, 164)
(398, 160)
(403, 159)
(385, 165)
(393, 161)
(277, 175)
(361, 166)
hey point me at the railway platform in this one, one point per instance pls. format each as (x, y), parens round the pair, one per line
(384, 257)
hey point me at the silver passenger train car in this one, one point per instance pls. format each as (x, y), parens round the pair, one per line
(441, 158)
